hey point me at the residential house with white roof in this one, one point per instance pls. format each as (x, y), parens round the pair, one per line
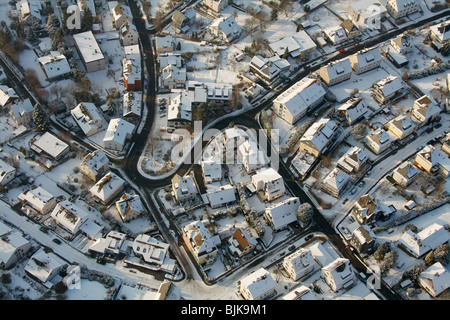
(353, 110)
(264, 69)
(225, 28)
(212, 170)
(318, 137)
(13, 246)
(351, 29)
(300, 264)
(446, 144)
(299, 45)
(30, 11)
(259, 285)
(87, 117)
(280, 215)
(418, 244)
(132, 104)
(402, 44)
(151, 250)
(435, 279)
(181, 21)
(51, 146)
(386, 88)
(250, 156)
(200, 242)
(378, 141)
(441, 32)
(7, 173)
(363, 239)
(112, 245)
(366, 60)
(132, 74)
(120, 13)
(22, 112)
(89, 51)
(367, 14)
(353, 160)
(405, 173)
(401, 126)
(425, 110)
(339, 274)
(55, 65)
(43, 266)
(336, 34)
(294, 102)
(164, 44)
(133, 52)
(241, 243)
(269, 183)
(179, 110)
(128, 34)
(95, 165)
(7, 95)
(184, 188)
(300, 293)
(367, 210)
(215, 5)
(335, 182)
(107, 188)
(166, 59)
(118, 133)
(130, 206)
(39, 199)
(401, 8)
(221, 196)
(69, 216)
(336, 72)
(430, 159)
(173, 77)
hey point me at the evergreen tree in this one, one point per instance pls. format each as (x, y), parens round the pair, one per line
(87, 20)
(40, 118)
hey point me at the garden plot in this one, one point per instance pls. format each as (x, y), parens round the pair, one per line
(87, 290)
(9, 129)
(29, 61)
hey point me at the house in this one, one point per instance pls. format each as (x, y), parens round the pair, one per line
(435, 279)
(51, 146)
(386, 89)
(425, 110)
(367, 14)
(336, 34)
(318, 137)
(259, 285)
(7, 96)
(209, 91)
(353, 160)
(181, 21)
(211, 170)
(264, 69)
(128, 34)
(366, 210)
(168, 291)
(200, 242)
(336, 72)
(241, 243)
(55, 65)
(184, 188)
(398, 59)
(173, 77)
(13, 246)
(221, 196)
(225, 28)
(299, 45)
(129, 207)
(269, 183)
(354, 110)
(429, 159)
(351, 29)
(339, 274)
(300, 293)
(69, 216)
(179, 111)
(378, 141)
(95, 165)
(405, 173)
(401, 8)
(250, 156)
(446, 144)
(120, 14)
(418, 244)
(166, 59)
(132, 74)
(133, 52)
(7, 173)
(335, 182)
(39, 199)
(87, 117)
(441, 32)
(107, 188)
(132, 104)
(299, 264)
(117, 134)
(22, 112)
(30, 11)
(402, 44)
(215, 5)
(296, 101)
(401, 126)
(366, 60)
(89, 51)
(112, 245)
(164, 44)
(363, 239)
(281, 214)
(43, 267)
(151, 250)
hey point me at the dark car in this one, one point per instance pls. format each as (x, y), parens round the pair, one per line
(43, 229)
(438, 125)
(309, 237)
(291, 248)
(57, 241)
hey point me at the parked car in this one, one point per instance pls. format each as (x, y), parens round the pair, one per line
(438, 125)
(57, 241)
(43, 229)
(309, 237)
(353, 191)
(292, 248)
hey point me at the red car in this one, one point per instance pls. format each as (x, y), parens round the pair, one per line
(341, 50)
